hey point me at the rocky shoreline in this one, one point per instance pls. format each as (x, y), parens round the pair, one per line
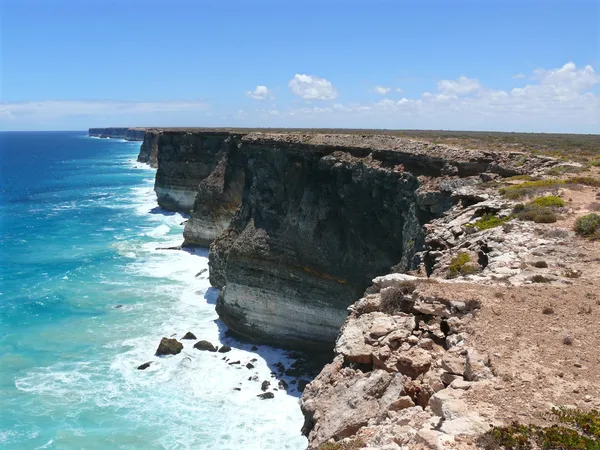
(300, 225)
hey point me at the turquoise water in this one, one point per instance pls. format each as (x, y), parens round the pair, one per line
(85, 297)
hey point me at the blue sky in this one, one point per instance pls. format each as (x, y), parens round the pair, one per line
(528, 65)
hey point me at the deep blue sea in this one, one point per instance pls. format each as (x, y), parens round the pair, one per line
(85, 297)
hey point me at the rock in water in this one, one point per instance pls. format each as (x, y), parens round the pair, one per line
(205, 345)
(189, 335)
(169, 346)
(266, 395)
(145, 365)
(265, 385)
(225, 349)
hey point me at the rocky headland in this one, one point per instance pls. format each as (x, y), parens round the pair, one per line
(453, 297)
(129, 134)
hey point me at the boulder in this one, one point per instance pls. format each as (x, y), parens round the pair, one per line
(169, 346)
(265, 385)
(205, 346)
(477, 367)
(145, 365)
(392, 279)
(224, 349)
(189, 335)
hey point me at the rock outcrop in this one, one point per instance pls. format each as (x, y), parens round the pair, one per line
(401, 368)
(129, 134)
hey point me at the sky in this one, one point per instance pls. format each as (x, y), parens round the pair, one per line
(497, 65)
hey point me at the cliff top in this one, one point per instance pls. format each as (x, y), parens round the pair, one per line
(580, 147)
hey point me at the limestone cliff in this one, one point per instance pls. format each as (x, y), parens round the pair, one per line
(149, 149)
(301, 222)
(129, 134)
(184, 159)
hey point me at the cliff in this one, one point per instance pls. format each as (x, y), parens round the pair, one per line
(129, 134)
(149, 149)
(301, 225)
(301, 222)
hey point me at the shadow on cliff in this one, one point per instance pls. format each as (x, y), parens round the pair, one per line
(166, 212)
(294, 368)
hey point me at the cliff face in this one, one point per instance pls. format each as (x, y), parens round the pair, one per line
(129, 134)
(149, 149)
(301, 223)
(185, 159)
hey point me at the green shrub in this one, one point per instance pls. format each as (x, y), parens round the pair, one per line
(560, 170)
(594, 163)
(587, 181)
(461, 264)
(575, 430)
(588, 225)
(488, 221)
(534, 213)
(550, 201)
(529, 188)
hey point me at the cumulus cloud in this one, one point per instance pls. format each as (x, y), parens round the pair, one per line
(311, 87)
(260, 93)
(562, 99)
(381, 90)
(461, 86)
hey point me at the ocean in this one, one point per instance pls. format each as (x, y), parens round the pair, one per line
(86, 296)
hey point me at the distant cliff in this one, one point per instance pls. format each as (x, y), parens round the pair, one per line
(300, 223)
(129, 134)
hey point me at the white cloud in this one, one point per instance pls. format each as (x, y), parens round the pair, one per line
(48, 114)
(518, 76)
(399, 90)
(381, 90)
(260, 93)
(460, 86)
(563, 99)
(310, 87)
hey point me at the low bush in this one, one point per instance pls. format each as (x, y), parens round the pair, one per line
(529, 188)
(392, 297)
(587, 181)
(488, 221)
(461, 264)
(354, 444)
(540, 279)
(574, 430)
(534, 213)
(588, 225)
(549, 201)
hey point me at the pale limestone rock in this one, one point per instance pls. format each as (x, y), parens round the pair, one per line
(434, 440)
(392, 279)
(447, 404)
(476, 368)
(453, 364)
(414, 362)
